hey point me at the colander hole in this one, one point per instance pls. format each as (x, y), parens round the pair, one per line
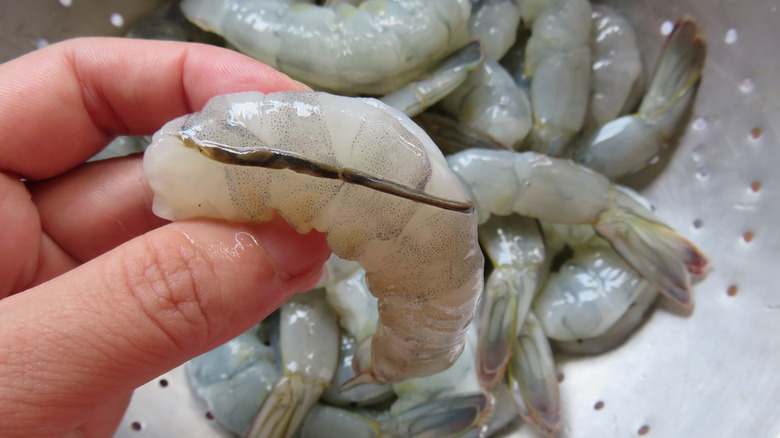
(700, 124)
(732, 290)
(747, 85)
(163, 383)
(748, 236)
(756, 133)
(599, 405)
(643, 430)
(136, 426)
(666, 27)
(560, 377)
(731, 36)
(698, 223)
(209, 416)
(117, 20)
(755, 186)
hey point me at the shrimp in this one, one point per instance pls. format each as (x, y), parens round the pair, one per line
(494, 23)
(629, 143)
(617, 81)
(402, 214)
(413, 98)
(515, 246)
(373, 48)
(590, 291)
(617, 333)
(309, 345)
(446, 417)
(557, 58)
(491, 102)
(561, 191)
(234, 378)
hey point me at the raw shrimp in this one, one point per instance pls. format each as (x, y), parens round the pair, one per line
(589, 292)
(448, 403)
(415, 97)
(394, 215)
(629, 143)
(234, 378)
(515, 246)
(494, 23)
(309, 347)
(617, 333)
(616, 82)
(557, 58)
(373, 48)
(492, 103)
(447, 417)
(561, 191)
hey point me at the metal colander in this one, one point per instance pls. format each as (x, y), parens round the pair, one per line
(714, 372)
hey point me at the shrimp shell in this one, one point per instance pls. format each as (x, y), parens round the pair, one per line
(423, 263)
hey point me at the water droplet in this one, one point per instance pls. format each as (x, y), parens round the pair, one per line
(666, 27)
(747, 85)
(700, 124)
(41, 43)
(655, 159)
(703, 173)
(117, 20)
(66, 3)
(731, 36)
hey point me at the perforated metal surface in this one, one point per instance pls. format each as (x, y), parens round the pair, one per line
(713, 372)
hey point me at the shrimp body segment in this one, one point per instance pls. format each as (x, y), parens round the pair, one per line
(422, 261)
(373, 48)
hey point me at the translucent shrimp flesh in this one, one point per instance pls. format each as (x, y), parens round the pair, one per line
(557, 58)
(492, 103)
(373, 48)
(616, 82)
(356, 169)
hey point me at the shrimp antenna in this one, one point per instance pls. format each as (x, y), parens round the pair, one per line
(272, 158)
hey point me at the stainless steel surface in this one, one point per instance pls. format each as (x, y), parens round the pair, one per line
(713, 372)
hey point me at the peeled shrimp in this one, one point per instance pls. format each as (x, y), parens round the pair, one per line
(400, 212)
(561, 191)
(629, 143)
(373, 48)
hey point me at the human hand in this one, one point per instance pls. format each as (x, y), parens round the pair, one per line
(98, 295)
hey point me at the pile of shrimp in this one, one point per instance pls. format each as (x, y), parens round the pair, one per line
(493, 126)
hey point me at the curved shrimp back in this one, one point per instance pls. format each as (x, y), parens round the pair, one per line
(347, 167)
(373, 49)
(561, 191)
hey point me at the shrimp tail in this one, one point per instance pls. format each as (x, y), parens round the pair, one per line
(285, 407)
(533, 380)
(679, 69)
(444, 417)
(505, 304)
(661, 255)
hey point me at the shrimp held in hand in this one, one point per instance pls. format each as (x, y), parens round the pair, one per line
(356, 169)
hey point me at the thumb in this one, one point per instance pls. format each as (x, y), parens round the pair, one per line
(93, 334)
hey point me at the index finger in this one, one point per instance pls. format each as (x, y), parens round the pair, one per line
(63, 103)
